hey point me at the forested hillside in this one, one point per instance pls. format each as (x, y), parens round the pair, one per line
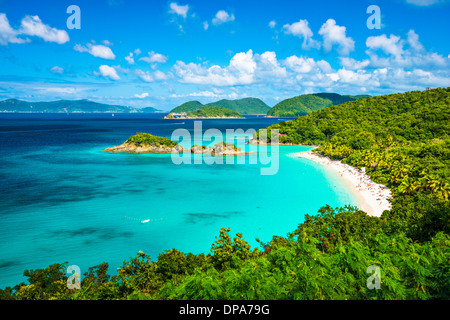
(304, 104)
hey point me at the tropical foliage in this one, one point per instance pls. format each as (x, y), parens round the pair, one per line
(142, 139)
(402, 141)
(214, 112)
(304, 104)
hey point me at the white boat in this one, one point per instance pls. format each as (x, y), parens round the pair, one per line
(145, 221)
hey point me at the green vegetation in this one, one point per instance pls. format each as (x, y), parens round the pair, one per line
(241, 106)
(402, 140)
(67, 106)
(188, 107)
(304, 104)
(326, 257)
(147, 139)
(214, 112)
(298, 106)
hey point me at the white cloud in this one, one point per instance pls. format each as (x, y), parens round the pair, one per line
(144, 75)
(97, 50)
(424, 3)
(268, 65)
(300, 64)
(57, 69)
(409, 53)
(353, 64)
(107, 43)
(239, 71)
(336, 35)
(30, 26)
(7, 34)
(159, 75)
(301, 30)
(413, 41)
(205, 25)
(130, 58)
(142, 95)
(108, 72)
(222, 17)
(391, 45)
(33, 26)
(272, 24)
(244, 68)
(154, 57)
(179, 10)
(148, 76)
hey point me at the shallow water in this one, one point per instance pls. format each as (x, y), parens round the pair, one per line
(64, 199)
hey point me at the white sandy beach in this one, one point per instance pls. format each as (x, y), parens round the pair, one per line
(373, 197)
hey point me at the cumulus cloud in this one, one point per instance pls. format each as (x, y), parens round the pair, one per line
(272, 24)
(178, 9)
(389, 45)
(33, 26)
(144, 75)
(142, 95)
(222, 17)
(8, 34)
(97, 50)
(353, 64)
(108, 72)
(30, 26)
(244, 68)
(148, 76)
(397, 52)
(336, 35)
(154, 57)
(301, 30)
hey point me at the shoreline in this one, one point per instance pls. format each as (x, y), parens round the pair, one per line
(373, 197)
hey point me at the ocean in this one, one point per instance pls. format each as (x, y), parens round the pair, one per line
(63, 199)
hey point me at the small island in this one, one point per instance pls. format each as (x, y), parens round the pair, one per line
(148, 143)
(206, 112)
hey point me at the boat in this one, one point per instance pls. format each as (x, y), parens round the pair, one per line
(145, 221)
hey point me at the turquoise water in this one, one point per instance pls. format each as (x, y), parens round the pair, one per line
(64, 199)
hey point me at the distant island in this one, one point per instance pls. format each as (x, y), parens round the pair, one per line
(148, 143)
(206, 112)
(68, 106)
(306, 103)
(289, 108)
(243, 106)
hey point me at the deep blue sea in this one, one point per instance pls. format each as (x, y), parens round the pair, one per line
(63, 199)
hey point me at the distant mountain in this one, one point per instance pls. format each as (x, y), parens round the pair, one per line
(242, 106)
(304, 104)
(188, 107)
(148, 110)
(67, 106)
(214, 112)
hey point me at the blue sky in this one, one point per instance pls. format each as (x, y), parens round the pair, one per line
(163, 53)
